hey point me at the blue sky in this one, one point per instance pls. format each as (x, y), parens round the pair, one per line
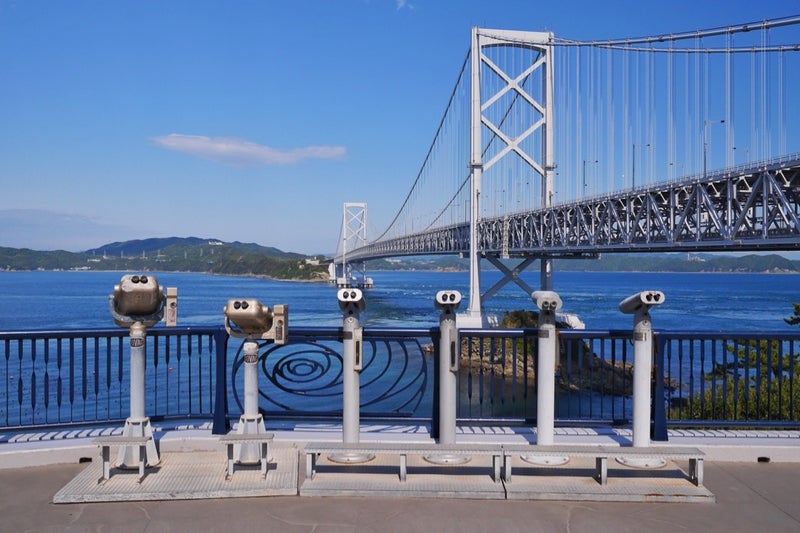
(250, 120)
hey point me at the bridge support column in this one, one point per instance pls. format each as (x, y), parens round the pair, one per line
(474, 316)
(546, 274)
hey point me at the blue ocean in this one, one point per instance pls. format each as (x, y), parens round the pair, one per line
(698, 302)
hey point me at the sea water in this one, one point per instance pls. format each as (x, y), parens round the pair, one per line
(694, 301)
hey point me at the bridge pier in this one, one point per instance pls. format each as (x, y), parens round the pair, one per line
(546, 274)
(474, 318)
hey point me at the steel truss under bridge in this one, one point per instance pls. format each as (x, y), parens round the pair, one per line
(748, 208)
(755, 207)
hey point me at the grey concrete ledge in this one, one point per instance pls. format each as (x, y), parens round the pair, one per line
(23, 449)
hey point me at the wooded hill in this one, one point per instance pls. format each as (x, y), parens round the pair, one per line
(172, 254)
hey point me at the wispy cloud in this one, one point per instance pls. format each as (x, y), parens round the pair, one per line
(403, 4)
(240, 152)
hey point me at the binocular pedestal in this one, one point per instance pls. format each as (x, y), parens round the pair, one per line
(642, 370)
(137, 424)
(251, 422)
(128, 458)
(351, 394)
(548, 302)
(449, 354)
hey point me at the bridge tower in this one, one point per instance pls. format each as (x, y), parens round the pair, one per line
(354, 235)
(483, 130)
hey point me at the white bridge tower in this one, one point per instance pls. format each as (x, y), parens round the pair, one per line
(353, 236)
(538, 155)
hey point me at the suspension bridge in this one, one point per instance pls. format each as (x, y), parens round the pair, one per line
(553, 148)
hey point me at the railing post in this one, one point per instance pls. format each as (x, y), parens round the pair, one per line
(658, 431)
(221, 423)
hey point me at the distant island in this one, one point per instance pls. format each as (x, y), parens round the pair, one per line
(213, 256)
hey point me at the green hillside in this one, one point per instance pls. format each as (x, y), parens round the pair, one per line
(213, 256)
(172, 255)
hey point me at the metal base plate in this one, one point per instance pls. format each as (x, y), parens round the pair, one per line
(351, 458)
(642, 462)
(250, 453)
(447, 459)
(185, 476)
(554, 460)
(128, 456)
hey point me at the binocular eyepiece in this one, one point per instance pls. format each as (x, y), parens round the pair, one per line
(137, 298)
(351, 299)
(546, 300)
(251, 318)
(447, 300)
(641, 301)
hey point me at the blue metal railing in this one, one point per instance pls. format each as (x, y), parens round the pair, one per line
(593, 377)
(65, 377)
(79, 377)
(304, 378)
(731, 379)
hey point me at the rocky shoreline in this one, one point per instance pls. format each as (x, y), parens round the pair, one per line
(577, 368)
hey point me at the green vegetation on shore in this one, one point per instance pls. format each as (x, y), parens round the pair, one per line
(213, 256)
(758, 380)
(173, 255)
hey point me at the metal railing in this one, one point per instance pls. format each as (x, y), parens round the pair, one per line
(593, 375)
(304, 378)
(730, 379)
(58, 378)
(710, 379)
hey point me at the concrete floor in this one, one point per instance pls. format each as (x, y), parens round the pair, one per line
(749, 497)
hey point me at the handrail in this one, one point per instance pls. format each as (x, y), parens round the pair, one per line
(51, 378)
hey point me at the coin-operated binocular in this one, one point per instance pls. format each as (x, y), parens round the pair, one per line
(641, 302)
(351, 302)
(449, 353)
(639, 306)
(139, 298)
(548, 303)
(248, 318)
(447, 302)
(137, 303)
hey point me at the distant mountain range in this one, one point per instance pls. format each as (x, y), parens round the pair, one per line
(193, 254)
(146, 246)
(190, 254)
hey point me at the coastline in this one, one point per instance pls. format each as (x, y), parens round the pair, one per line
(323, 278)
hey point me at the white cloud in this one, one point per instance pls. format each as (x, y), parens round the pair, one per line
(240, 152)
(403, 3)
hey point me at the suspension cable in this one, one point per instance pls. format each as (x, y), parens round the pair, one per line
(430, 150)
